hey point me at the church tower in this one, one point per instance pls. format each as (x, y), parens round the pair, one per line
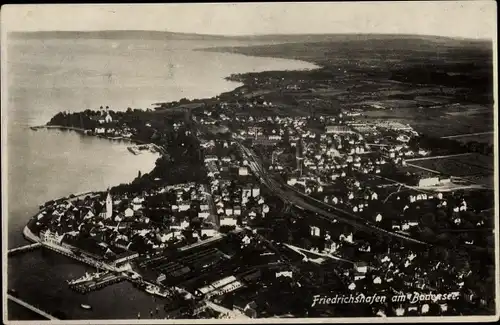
(109, 206)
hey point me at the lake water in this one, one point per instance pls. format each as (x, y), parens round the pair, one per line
(48, 76)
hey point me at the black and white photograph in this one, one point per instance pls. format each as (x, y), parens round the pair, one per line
(249, 162)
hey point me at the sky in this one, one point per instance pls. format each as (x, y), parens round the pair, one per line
(469, 19)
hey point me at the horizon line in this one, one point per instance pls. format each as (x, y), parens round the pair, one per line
(245, 35)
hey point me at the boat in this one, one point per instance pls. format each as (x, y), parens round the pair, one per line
(87, 277)
(155, 290)
(133, 150)
(84, 306)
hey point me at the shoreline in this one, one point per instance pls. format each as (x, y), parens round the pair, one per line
(227, 50)
(87, 133)
(29, 235)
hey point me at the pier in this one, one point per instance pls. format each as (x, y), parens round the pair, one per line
(58, 127)
(22, 249)
(30, 307)
(99, 283)
(81, 258)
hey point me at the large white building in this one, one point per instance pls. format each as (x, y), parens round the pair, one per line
(338, 129)
(50, 237)
(428, 181)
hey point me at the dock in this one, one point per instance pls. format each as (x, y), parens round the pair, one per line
(25, 248)
(99, 283)
(31, 307)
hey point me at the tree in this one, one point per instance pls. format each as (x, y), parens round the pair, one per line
(429, 220)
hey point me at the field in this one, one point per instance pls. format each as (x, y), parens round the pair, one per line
(474, 165)
(481, 138)
(440, 86)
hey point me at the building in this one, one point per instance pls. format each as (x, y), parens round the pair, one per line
(125, 257)
(243, 171)
(99, 130)
(284, 274)
(209, 232)
(428, 181)
(108, 118)
(129, 212)
(393, 125)
(228, 221)
(315, 231)
(338, 129)
(161, 278)
(361, 267)
(50, 237)
(109, 206)
(211, 158)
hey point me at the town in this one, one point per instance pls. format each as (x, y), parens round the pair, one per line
(265, 197)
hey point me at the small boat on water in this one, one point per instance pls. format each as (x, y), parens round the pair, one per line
(133, 150)
(155, 290)
(84, 306)
(86, 278)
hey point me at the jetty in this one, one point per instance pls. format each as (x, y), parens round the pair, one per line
(21, 249)
(31, 307)
(80, 258)
(59, 127)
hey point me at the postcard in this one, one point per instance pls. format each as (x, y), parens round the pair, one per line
(250, 162)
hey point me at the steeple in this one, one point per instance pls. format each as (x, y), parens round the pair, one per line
(109, 206)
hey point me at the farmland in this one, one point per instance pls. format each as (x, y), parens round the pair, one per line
(460, 166)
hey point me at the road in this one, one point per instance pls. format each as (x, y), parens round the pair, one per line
(467, 135)
(291, 195)
(438, 157)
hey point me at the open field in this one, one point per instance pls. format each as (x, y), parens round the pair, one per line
(469, 165)
(486, 137)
